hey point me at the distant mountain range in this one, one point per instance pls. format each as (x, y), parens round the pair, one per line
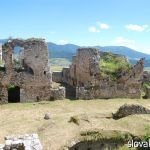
(68, 50)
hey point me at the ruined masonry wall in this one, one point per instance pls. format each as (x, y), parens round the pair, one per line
(34, 78)
(84, 74)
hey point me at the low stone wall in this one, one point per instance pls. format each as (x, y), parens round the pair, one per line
(22, 142)
(108, 91)
(58, 93)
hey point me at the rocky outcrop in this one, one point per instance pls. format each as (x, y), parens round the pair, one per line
(127, 110)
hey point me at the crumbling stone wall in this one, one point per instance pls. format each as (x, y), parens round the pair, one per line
(85, 66)
(33, 77)
(84, 74)
(58, 93)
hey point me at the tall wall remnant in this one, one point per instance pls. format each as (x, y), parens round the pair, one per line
(84, 74)
(28, 77)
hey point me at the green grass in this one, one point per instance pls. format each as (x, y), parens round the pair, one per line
(56, 68)
(22, 118)
(59, 62)
(113, 135)
(111, 65)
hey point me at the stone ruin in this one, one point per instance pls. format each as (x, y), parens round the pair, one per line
(22, 142)
(85, 77)
(28, 78)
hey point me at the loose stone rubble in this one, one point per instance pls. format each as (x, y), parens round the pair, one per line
(127, 110)
(22, 142)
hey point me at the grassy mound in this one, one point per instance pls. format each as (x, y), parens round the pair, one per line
(111, 65)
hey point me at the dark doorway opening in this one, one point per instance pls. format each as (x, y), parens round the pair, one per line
(70, 91)
(14, 94)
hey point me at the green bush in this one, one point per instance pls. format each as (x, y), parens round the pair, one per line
(112, 65)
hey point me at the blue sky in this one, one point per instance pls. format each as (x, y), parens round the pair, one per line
(81, 22)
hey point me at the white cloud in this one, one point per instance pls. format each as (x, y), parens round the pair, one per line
(135, 27)
(62, 42)
(121, 41)
(98, 27)
(93, 29)
(103, 26)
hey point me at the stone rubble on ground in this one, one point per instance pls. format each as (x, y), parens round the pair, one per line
(130, 109)
(47, 116)
(22, 142)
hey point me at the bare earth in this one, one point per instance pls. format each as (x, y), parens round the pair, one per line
(21, 118)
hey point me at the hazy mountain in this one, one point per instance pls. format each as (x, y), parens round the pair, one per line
(130, 53)
(2, 41)
(62, 51)
(56, 50)
(68, 50)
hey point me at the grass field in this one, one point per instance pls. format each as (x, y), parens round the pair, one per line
(56, 68)
(21, 118)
